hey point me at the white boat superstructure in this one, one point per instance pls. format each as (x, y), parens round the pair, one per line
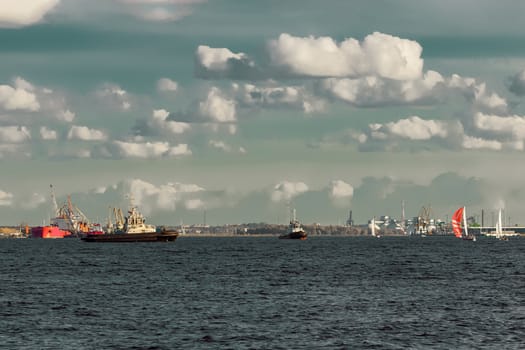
(133, 223)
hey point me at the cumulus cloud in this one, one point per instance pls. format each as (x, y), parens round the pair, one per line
(150, 149)
(341, 189)
(24, 96)
(47, 134)
(114, 96)
(159, 121)
(150, 196)
(6, 198)
(477, 93)
(379, 54)
(412, 128)
(297, 97)
(415, 128)
(286, 190)
(512, 126)
(160, 10)
(372, 91)
(86, 134)
(14, 150)
(216, 63)
(66, 116)
(166, 84)
(340, 192)
(470, 142)
(218, 107)
(33, 201)
(193, 204)
(517, 84)
(19, 97)
(20, 13)
(14, 134)
(221, 145)
(407, 133)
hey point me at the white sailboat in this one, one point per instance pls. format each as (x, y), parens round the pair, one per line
(373, 228)
(499, 233)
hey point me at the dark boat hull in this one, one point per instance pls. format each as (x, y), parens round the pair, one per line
(296, 235)
(132, 237)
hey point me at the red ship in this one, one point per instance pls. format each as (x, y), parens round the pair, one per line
(48, 232)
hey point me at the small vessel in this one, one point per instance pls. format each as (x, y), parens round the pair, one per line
(132, 228)
(499, 233)
(460, 217)
(295, 230)
(374, 228)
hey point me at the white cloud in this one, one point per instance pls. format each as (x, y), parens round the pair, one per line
(150, 197)
(193, 204)
(379, 54)
(15, 150)
(341, 193)
(159, 10)
(216, 59)
(286, 190)
(277, 96)
(159, 121)
(86, 134)
(179, 150)
(82, 153)
(217, 107)
(33, 201)
(166, 84)
(160, 14)
(470, 142)
(6, 198)
(25, 96)
(415, 128)
(115, 96)
(21, 83)
(477, 93)
(221, 145)
(341, 189)
(20, 13)
(512, 126)
(488, 100)
(47, 134)
(18, 98)
(375, 91)
(14, 134)
(150, 149)
(517, 84)
(66, 116)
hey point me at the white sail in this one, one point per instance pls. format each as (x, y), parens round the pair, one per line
(499, 227)
(465, 226)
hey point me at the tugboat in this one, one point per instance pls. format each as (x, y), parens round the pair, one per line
(295, 230)
(133, 229)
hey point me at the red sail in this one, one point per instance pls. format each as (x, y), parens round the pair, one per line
(457, 218)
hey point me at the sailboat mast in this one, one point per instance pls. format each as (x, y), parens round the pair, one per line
(465, 220)
(403, 215)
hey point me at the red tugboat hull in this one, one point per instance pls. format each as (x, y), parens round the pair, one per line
(48, 232)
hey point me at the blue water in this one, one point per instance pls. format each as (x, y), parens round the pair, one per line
(263, 293)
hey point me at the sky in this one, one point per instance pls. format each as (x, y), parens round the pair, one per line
(229, 112)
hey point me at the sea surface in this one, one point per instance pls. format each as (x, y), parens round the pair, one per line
(263, 293)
